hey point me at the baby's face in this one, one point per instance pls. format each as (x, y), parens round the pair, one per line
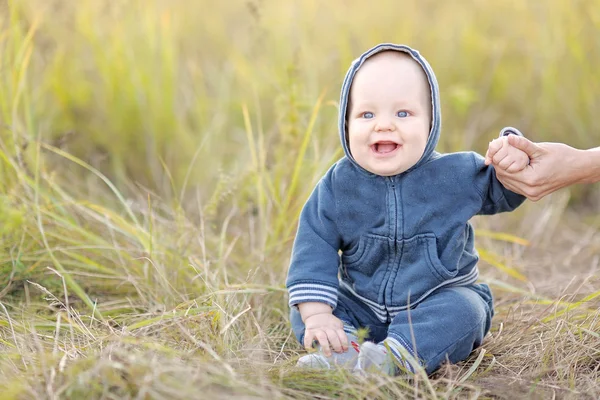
(390, 113)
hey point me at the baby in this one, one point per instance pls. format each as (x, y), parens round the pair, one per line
(384, 241)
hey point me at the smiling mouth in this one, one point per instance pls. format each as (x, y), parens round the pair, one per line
(384, 147)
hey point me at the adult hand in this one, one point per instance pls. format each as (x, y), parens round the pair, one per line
(552, 166)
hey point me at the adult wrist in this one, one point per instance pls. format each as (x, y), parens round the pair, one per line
(591, 165)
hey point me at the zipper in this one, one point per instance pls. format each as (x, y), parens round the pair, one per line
(395, 236)
(393, 183)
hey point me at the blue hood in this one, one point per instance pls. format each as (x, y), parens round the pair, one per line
(436, 118)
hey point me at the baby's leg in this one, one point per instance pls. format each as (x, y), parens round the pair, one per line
(354, 315)
(448, 324)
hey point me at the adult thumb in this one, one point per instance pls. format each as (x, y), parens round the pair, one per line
(525, 145)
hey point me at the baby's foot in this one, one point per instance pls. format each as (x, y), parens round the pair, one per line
(319, 360)
(314, 361)
(375, 358)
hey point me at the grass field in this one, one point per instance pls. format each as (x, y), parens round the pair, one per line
(154, 157)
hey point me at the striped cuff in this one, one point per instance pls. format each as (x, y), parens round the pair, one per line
(509, 130)
(403, 352)
(312, 292)
(350, 330)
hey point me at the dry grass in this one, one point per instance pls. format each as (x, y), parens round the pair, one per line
(154, 157)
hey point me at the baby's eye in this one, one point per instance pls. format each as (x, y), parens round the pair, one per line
(402, 114)
(367, 115)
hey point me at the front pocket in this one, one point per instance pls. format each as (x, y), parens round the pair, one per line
(371, 254)
(420, 269)
(352, 255)
(434, 260)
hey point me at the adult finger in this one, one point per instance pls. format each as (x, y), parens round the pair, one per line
(526, 145)
(512, 181)
(507, 183)
(504, 177)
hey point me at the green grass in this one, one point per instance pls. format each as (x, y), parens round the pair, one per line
(155, 155)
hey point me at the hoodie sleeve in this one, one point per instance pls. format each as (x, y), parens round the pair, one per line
(495, 197)
(312, 276)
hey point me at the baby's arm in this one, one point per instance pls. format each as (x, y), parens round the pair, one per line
(312, 279)
(504, 156)
(323, 326)
(497, 198)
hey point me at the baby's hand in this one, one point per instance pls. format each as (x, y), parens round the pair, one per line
(506, 157)
(328, 330)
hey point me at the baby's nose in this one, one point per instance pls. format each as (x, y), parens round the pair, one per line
(384, 124)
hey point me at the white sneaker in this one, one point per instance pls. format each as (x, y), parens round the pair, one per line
(318, 360)
(313, 361)
(374, 358)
